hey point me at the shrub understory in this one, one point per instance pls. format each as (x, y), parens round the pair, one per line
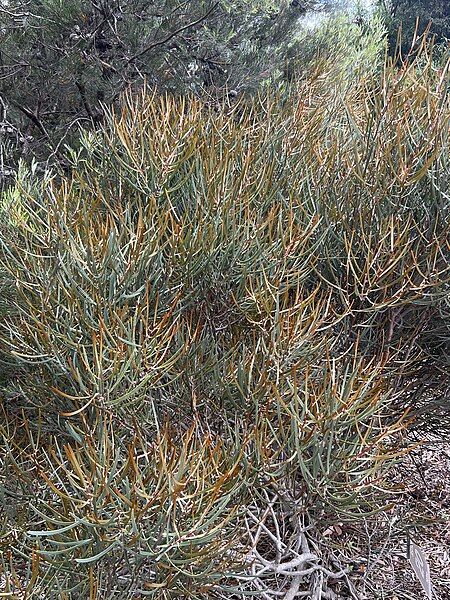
(220, 327)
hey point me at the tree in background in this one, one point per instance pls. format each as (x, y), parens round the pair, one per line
(59, 61)
(406, 14)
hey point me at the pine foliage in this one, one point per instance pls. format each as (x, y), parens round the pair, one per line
(61, 61)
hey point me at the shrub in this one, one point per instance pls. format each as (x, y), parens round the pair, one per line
(274, 274)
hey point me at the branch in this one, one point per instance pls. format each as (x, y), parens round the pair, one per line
(34, 118)
(87, 106)
(173, 34)
(293, 590)
(36, 121)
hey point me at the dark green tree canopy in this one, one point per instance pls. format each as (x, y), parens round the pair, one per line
(406, 14)
(59, 61)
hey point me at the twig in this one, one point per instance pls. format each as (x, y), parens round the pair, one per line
(172, 35)
(34, 118)
(295, 586)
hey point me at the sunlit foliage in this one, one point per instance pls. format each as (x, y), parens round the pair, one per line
(222, 312)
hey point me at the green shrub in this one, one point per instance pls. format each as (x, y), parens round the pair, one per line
(275, 275)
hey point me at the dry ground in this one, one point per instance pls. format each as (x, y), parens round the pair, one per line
(384, 572)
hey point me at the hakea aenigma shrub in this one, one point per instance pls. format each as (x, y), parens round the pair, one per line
(274, 274)
(107, 508)
(155, 516)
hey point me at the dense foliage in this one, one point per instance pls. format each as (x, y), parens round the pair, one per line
(221, 321)
(59, 61)
(414, 17)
